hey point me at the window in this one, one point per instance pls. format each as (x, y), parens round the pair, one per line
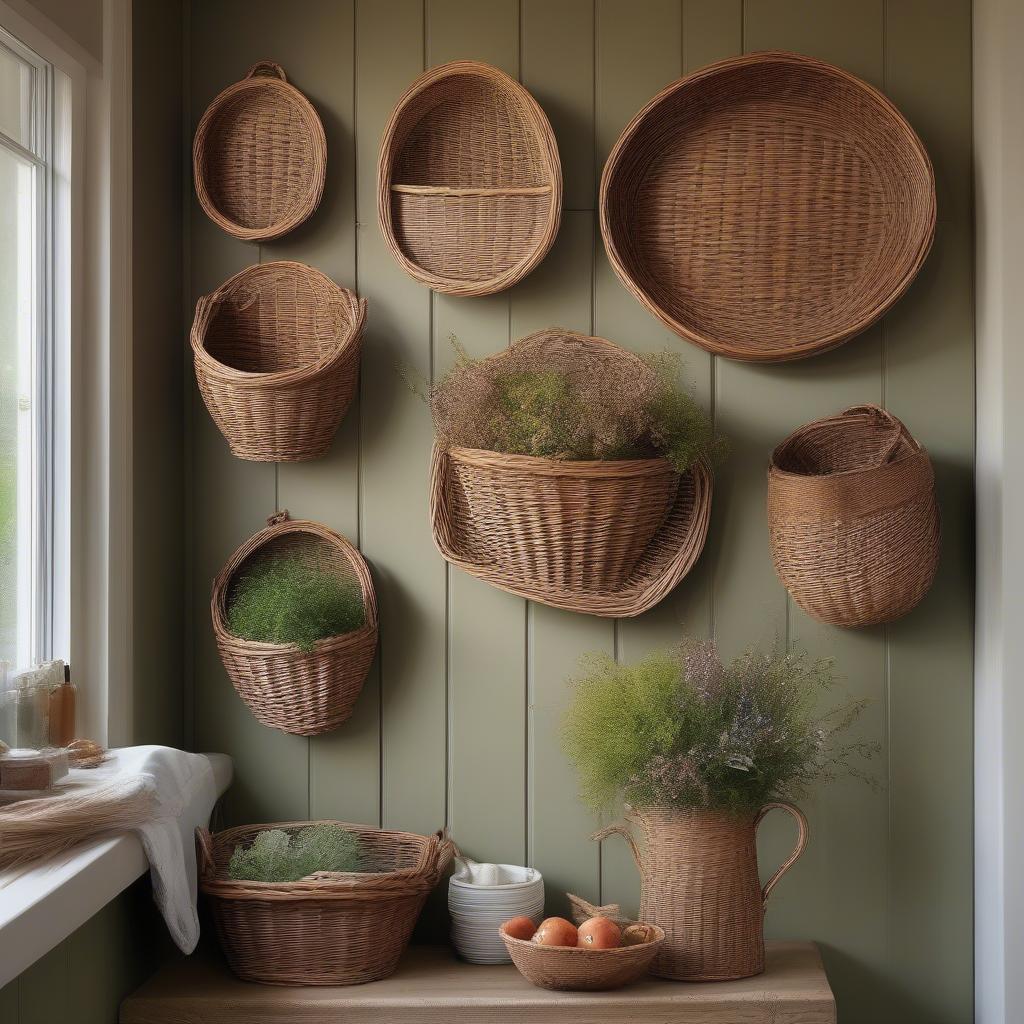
(35, 141)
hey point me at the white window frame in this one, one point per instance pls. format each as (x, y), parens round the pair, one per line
(99, 503)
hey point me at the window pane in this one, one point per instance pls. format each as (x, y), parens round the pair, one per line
(17, 414)
(15, 98)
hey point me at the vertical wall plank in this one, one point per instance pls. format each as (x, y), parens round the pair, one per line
(9, 1009)
(231, 498)
(929, 381)
(44, 995)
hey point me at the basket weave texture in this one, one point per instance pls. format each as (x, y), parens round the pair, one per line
(609, 538)
(285, 687)
(768, 207)
(568, 969)
(469, 181)
(699, 883)
(852, 518)
(259, 157)
(276, 350)
(327, 929)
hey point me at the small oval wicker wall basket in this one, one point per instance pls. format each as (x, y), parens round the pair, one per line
(331, 928)
(469, 186)
(609, 538)
(259, 157)
(852, 518)
(768, 207)
(284, 687)
(276, 351)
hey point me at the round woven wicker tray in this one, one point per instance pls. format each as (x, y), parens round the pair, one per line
(469, 186)
(768, 207)
(260, 156)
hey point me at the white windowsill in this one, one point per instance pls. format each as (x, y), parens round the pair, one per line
(42, 905)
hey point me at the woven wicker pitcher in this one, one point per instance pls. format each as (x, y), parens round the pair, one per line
(699, 883)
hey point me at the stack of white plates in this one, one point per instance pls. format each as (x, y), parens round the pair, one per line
(481, 897)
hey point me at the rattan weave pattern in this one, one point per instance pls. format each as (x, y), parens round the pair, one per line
(285, 688)
(469, 180)
(768, 207)
(330, 928)
(276, 351)
(699, 882)
(259, 156)
(852, 517)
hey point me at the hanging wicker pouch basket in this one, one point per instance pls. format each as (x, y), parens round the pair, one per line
(284, 687)
(768, 207)
(609, 538)
(276, 351)
(331, 928)
(852, 517)
(259, 157)
(469, 186)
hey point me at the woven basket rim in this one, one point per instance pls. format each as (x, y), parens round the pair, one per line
(543, 466)
(348, 340)
(582, 952)
(546, 142)
(276, 81)
(259, 540)
(921, 454)
(728, 349)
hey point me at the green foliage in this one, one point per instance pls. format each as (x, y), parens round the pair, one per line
(287, 600)
(276, 856)
(573, 404)
(684, 730)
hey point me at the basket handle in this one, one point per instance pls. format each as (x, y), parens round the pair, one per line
(278, 517)
(267, 69)
(801, 841)
(204, 851)
(618, 829)
(899, 431)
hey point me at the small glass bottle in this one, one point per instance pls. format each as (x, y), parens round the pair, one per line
(62, 711)
(31, 708)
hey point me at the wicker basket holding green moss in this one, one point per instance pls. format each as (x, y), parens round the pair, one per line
(295, 619)
(275, 855)
(572, 472)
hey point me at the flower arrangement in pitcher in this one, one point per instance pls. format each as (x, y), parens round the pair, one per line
(684, 729)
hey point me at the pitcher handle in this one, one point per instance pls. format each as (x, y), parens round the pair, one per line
(619, 829)
(801, 841)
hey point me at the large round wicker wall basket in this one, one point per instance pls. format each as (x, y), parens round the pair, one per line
(852, 518)
(610, 538)
(259, 157)
(469, 185)
(768, 207)
(276, 351)
(285, 687)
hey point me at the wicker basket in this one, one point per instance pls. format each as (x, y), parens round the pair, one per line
(469, 186)
(699, 883)
(259, 157)
(768, 207)
(276, 351)
(568, 969)
(284, 687)
(852, 518)
(330, 928)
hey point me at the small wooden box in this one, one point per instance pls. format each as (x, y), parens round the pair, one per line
(32, 771)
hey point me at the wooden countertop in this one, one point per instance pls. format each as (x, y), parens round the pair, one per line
(432, 987)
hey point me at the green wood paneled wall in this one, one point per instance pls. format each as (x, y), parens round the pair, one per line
(459, 720)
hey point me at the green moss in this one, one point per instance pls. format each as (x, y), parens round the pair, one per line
(287, 601)
(276, 856)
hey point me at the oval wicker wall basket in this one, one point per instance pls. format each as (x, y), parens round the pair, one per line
(259, 157)
(276, 351)
(852, 518)
(610, 538)
(469, 185)
(331, 928)
(284, 687)
(768, 207)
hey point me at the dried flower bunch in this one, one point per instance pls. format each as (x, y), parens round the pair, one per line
(685, 730)
(288, 600)
(276, 856)
(571, 401)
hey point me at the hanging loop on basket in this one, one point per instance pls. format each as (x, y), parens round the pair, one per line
(278, 517)
(204, 845)
(619, 829)
(266, 69)
(883, 416)
(801, 841)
